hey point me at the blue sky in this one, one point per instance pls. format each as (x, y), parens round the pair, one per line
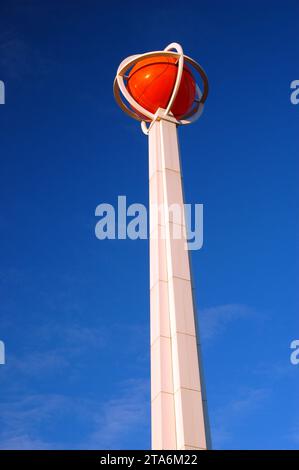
(75, 310)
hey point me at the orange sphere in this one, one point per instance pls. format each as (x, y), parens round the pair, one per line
(151, 82)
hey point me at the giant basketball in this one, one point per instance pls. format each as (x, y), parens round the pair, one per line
(151, 82)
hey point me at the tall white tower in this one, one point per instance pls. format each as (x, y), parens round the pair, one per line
(160, 90)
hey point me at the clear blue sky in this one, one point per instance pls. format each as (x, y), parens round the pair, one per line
(75, 310)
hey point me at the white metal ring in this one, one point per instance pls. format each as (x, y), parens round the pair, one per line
(120, 87)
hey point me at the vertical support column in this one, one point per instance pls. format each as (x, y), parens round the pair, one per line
(162, 391)
(179, 419)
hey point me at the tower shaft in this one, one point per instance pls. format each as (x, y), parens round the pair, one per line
(178, 400)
